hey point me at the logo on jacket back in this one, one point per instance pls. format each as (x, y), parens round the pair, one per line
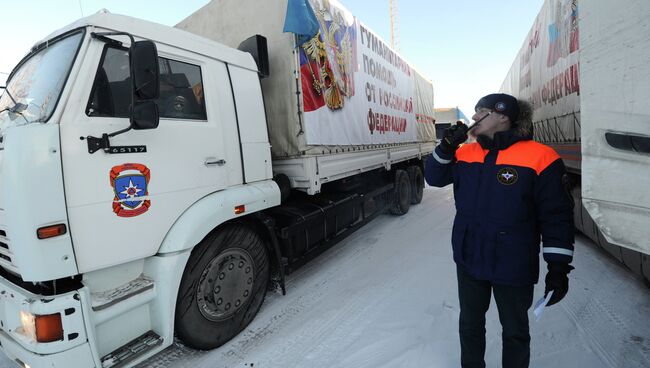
(129, 182)
(507, 176)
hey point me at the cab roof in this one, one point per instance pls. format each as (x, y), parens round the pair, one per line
(161, 34)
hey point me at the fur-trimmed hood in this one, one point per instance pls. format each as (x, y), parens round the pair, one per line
(523, 127)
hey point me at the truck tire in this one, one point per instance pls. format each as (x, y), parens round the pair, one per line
(223, 287)
(401, 193)
(417, 183)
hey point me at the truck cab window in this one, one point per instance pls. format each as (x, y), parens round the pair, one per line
(181, 88)
(34, 88)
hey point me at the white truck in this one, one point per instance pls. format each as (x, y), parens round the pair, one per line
(585, 66)
(151, 184)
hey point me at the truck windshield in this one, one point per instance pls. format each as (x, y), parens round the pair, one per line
(34, 88)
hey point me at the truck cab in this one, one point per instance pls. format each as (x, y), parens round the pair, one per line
(102, 202)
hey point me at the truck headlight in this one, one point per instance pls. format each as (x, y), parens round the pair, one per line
(28, 326)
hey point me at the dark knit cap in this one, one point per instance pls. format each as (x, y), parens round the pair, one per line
(501, 103)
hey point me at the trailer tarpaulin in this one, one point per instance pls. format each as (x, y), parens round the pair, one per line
(316, 96)
(545, 71)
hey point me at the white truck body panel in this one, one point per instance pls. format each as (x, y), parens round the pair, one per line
(255, 141)
(585, 67)
(67, 358)
(615, 75)
(32, 174)
(198, 220)
(309, 173)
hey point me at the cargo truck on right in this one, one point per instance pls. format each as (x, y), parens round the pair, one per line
(585, 67)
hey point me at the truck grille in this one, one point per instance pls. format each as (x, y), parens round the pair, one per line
(5, 252)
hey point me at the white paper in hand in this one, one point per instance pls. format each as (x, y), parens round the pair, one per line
(539, 306)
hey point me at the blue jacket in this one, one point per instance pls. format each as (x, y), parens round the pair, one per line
(507, 197)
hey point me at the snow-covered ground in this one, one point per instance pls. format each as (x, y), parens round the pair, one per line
(385, 297)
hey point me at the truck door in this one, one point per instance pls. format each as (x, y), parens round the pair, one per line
(122, 202)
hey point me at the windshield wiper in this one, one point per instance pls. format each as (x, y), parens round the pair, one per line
(17, 108)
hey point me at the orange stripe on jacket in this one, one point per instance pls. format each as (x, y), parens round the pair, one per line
(470, 153)
(528, 154)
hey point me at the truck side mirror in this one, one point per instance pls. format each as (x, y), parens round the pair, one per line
(257, 46)
(145, 76)
(145, 73)
(145, 115)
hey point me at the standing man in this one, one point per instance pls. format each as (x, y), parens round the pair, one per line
(509, 191)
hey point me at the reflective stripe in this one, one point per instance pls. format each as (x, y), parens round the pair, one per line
(439, 159)
(566, 252)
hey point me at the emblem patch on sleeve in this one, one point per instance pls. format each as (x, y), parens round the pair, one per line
(507, 176)
(130, 182)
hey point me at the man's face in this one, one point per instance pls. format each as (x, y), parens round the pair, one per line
(492, 122)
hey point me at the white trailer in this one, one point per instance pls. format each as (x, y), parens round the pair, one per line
(140, 197)
(585, 67)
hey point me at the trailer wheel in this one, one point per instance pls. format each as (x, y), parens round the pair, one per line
(401, 193)
(223, 287)
(417, 184)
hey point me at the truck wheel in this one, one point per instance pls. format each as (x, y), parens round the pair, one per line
(401, 193)
(417, 184)
(223, 287)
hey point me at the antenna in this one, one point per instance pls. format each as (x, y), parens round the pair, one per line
(394, 25)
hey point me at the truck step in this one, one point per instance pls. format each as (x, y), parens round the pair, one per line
(132, 350)
(110, 297)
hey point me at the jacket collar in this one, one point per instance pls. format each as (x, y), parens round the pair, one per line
(502, 140)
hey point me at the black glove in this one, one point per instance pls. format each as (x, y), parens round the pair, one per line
(557, 280)
(453, 137)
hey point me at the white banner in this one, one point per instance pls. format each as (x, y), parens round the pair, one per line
(356, 90)
(545, 71)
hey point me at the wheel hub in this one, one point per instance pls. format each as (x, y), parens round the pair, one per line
(226, 284)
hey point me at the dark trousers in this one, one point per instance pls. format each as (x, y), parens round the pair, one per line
(513, 303)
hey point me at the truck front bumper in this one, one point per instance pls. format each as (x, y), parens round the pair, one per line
(72, 350)
(74, 357)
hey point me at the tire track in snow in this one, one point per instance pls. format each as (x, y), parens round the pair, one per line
(581, 319)
(600, 311)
